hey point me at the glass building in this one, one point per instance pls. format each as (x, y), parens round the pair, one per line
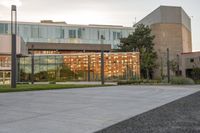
(80, 67)
(66, 52)
(54, 32)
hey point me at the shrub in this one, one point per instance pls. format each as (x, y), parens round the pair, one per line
(181, 81)
(52, 82)
(197, 81)
(60, 80)
(164, 81)
(22, 83)
(129, 82)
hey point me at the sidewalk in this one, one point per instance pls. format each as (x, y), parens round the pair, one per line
(181, 116)
(91, 109)
(80, 82)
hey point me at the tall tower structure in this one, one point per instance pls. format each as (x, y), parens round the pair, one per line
(172, 28)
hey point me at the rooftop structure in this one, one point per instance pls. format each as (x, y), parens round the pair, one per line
(172, 29)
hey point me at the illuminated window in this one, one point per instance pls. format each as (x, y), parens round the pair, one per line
(75, 67)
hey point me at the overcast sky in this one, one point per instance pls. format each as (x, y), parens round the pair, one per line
(119, 12)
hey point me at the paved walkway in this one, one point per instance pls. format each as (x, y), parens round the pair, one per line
(81, 110)
(179, 116)
(89, 83)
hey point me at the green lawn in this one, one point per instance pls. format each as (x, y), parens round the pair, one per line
(36, 87)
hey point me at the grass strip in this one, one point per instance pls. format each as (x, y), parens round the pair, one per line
(39, 87)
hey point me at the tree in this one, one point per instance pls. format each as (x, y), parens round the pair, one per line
(195, 73)
(142, 41)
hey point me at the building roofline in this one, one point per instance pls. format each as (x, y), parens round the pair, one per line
(160, 8)
(176, 7)
(72, 25)
(86, 53)
(146, 16)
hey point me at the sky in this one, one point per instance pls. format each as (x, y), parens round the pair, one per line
(111, 12)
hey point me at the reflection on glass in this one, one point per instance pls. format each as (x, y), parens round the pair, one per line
(80, 66)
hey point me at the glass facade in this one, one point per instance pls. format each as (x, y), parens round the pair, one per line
(5, 64)
(5, 77)
(72, 33)
(5, 61)
(64, 33)
(80, 66)
(3, 28)
(53, 65)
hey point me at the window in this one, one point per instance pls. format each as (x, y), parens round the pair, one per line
(42, 32)
(3, 28)
(98, 35)
(62, 33)
(116, 35)
(109, 34)
(79, 33)
(25, 30)
(5, 61)
(6, 28)
(191, 60)
(34, 31)
(72, 33)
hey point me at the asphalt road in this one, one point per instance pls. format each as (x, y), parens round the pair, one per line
(82, 110)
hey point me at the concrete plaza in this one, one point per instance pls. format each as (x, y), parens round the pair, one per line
(81, 110)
